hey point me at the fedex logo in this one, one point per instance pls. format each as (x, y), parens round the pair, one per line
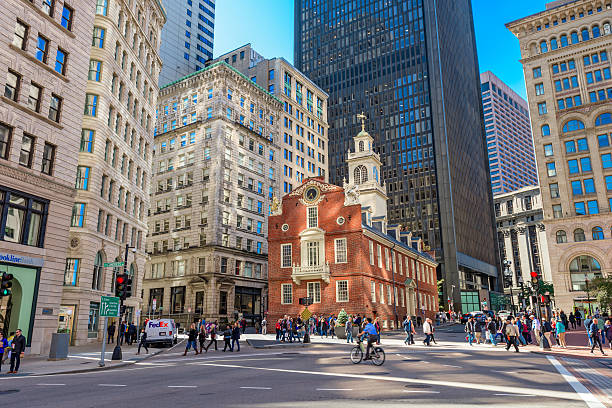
(158, 324)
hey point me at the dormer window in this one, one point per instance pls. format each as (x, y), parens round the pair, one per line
(361, 146)
(313, 217)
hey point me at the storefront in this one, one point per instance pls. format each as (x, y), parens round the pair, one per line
(247, 302)
(17, 311)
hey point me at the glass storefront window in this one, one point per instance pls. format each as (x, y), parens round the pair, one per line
(24, 220)
(94, 320)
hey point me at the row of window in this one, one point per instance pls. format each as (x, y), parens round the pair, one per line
(314, 290)
(12, 90)
(27, 150)
(574, 37)
(575, 124)
(597, 233)
(248, 244)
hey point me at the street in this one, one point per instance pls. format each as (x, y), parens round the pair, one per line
(448, 374)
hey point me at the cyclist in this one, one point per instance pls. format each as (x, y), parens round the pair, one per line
(370, 331)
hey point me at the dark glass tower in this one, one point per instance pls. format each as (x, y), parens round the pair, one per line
(411, 66)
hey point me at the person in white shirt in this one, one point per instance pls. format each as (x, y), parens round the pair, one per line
(427, 330)
(536, 327)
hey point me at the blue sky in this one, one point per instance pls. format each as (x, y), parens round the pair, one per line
(268, 25)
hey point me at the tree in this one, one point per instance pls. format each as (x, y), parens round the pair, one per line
(342, 318)
(601, 289)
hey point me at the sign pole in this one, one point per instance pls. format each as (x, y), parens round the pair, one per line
(102, 354)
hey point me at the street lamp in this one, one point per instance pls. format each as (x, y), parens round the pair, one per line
(520, 282)
(586, 281)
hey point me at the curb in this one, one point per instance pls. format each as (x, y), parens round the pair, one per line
(548, 353)
(278, 345)
(106, 367)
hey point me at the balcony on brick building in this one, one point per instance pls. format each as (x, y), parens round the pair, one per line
(300, 273)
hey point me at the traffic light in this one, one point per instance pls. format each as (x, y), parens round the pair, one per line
(534, 277)
(5, 285)
(121, 285)
(128, 289)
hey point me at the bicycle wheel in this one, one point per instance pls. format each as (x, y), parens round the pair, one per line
(378, 356)
(356, 355)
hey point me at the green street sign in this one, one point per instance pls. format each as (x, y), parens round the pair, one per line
(113, 264)
(109, 306)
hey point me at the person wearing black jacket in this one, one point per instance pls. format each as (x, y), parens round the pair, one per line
(236, 337)
(18, 346)
(111, 333)
(202, 337)
(191, 340)
(143, 341)
(491, 331)
(227, 337)
(213, 336)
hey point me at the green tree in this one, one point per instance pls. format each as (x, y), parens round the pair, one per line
(342, 318)
(601, 289)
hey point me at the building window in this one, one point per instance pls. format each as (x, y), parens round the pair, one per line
(542, 108)
(286, 293)
(55, 108)
(579, 235)
(554, 190)
(5, 140)
(314, 291)
(581, 268)
(93, 320)
(561, 237)
(27, 150)
(78, 215)
(11, 88)
(548, 150)
(373, 291)
(42, 49)
(25, 218)
(48, 159)
(379, 253)
(91, 105)
(539, 89)
(545, 130)
(67, 13)
(597, 233)
(102, 7)
(82, 178)
(98, 37)
(177, 299)
(312, 221)
(551, 169)
(342, 294)
(21, 35)
(371, 247)
(286, 256)
(87, 140)
(95, 68)
(340, 250)
(71, 271)
(557, 211)
(312, 253)
(60, 61)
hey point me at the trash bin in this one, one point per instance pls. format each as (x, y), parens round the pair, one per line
(59, 346)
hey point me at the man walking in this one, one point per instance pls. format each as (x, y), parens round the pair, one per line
(227, 337)
(213, 336)
(143, 341)
(491, 331)
(594, 332)
(470, 329)
(122, 330)
(235, 337)
(264, 326)
(191, 340)
(512, 332)
(536, 327)
(409, 329)
(427, 330)
(348, 326)
(110, 331)
(18, 346)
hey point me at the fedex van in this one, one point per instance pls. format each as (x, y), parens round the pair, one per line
(161, 331)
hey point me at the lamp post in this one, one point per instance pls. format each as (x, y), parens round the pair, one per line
(520, 282)
(586, 281)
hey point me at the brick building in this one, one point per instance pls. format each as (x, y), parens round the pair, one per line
(333, 244)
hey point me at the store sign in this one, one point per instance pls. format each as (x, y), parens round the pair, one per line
(21, 260)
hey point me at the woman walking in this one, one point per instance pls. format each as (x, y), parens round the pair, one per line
(560, 327)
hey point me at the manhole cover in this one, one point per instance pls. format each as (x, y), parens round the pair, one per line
(417, 386)
(3, 392)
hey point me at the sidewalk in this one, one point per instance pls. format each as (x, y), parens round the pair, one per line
(81, 359)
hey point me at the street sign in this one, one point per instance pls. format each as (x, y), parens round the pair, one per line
(113, 264)
(306, 314)
(109, 306)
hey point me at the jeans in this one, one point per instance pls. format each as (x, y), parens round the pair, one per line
(407, 339)
(471, 338)
(191, 343)
(522, 340)
(237, 343)
(512, 342)
(492, 338)
(596, 342)
(143, 344)
(349, 336)
(427, 339)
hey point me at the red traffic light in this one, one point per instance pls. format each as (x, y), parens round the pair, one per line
(534, 274)
(120, 279)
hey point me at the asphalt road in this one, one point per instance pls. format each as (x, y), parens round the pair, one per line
(449, 374)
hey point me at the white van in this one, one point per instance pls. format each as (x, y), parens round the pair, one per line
(161, 331)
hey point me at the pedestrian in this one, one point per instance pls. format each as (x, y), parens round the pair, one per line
(110, 331)
(278, 329)
(418, 321)
(491, 331)
(595, 336)
(547, 331)
(264, 326)
(572, 320)
(213, 335)
(202, 336)
(348, 327)
(143, 341)
(470, 329)
(427, 330)
(243, 324)
(512, 333)
(332, 326)
(378, 330)
(122, 330)
(236, 337)
(536, 327)
(409, 329)
(227, 337)
(18, 346)
(560, 328)
(600, 326)
(3, 348)
(564, 319)
(478, 329)
(608, 332)
(191, 340)
(131, 333)
(587, 326)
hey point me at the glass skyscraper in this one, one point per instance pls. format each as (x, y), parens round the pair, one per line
(411, 66)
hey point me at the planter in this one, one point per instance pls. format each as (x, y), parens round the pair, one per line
(340, 332)
(355, 332)
(59, 346)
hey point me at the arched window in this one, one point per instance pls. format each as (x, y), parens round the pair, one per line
(574, 37)
(603, 119)
(361, 174)
(579, 235)
(98, 272)
(597, 233)
(581, 268)
(596, 32)
(361, 146)
(584, 34)
(545, 130)
(561, 237)
(563, 40)
(606, 28)
(543, 46)
(573, 125)
(553, 44)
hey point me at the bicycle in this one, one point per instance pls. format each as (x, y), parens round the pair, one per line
(377, 354)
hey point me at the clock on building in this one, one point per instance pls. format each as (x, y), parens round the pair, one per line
(311, 194)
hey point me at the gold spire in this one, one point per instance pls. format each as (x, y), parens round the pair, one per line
(363, 118)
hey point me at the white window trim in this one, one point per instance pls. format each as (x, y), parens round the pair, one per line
(308, 216)
(283, 285)
(347, 292)
(373, 290)
(371, 246)
(283, 246)
(314, 284)
(336, 253)
(379, 253)
(382, 294)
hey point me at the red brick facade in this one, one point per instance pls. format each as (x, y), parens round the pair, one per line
(360, 270)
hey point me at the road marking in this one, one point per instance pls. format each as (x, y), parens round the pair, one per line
(449, 365)
(474, 386)
(112, 385)
(334, 389)
(256, 388)
(515, 395)
(591, 400)
(182, 386)
(505, 372)
(421, 392)
(52, 384)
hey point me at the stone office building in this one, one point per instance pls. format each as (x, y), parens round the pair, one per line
(215, 176)
(44, 55)
(566, 51)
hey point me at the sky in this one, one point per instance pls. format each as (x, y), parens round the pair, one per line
(268, 26)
